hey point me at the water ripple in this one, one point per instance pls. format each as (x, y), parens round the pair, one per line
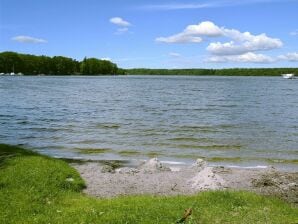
(172, 117)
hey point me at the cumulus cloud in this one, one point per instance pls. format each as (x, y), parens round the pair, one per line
(239, 46)
(243, 42)
(193, 33)
(240, 42)
(28, 39)
(120, 22)
(249, 57)
(205, 28)
(292, 57)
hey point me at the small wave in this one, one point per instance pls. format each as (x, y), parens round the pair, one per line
(225, 126)
(172, 162)
(203, 129)
(214, 147)
(107, 126)
(190, 139)
(248, 167)
(23, 122)
(49, 129)
(91, 141)
(6, 115)
(192, 109)
(92, 150)
(28, 137)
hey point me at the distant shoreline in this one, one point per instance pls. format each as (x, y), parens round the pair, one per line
(27, 64)
(165, 75)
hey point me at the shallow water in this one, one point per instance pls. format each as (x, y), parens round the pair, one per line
(229, 120)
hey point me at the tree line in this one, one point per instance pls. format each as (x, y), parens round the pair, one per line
(214, 72)
(58, 65)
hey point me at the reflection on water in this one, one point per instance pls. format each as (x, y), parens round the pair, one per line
(179, 118)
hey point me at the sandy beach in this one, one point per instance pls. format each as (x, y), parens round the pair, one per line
(154, 178)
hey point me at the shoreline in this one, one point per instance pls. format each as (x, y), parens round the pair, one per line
(100, 156)
(283, 166)
(156, 178)
(145, 75)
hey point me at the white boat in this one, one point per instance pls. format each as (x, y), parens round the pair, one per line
(288, 76)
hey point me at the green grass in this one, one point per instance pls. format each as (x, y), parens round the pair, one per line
(39, 189)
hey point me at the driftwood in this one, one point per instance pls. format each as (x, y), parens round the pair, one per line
(187, 213)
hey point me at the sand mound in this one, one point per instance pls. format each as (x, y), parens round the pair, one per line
(152, 166)
(207, 179)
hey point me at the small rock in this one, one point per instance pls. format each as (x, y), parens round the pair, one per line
(127, 170)
(107, 169)
(290, 185)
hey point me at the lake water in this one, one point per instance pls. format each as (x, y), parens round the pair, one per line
(246, 121)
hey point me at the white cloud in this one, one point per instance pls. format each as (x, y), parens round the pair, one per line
(193, 33)
(174, 55)
(251, 57)
(239, 44)
(248, 57)
(241, 47)
(106, 59)
(292, 57)
(210, 4)
(176, 6)
(294, 33)
(205, 28)
(243, 42)
(120, 22)
(27, 39)
(179, 38)
(121, 30)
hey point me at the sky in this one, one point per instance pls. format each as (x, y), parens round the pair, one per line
(155, 34)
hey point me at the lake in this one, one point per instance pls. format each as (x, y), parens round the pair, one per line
(236, 121)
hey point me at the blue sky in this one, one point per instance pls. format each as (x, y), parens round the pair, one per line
(156, 34)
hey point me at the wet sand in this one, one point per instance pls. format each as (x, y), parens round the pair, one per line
(154, 178)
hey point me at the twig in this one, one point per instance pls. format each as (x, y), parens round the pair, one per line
(173, 188)
(187, 213)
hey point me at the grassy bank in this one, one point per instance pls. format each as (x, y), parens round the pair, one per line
(39, 189)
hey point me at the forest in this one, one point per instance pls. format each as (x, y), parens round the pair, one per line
(28, 64)
(214, 72)
(58, 65)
